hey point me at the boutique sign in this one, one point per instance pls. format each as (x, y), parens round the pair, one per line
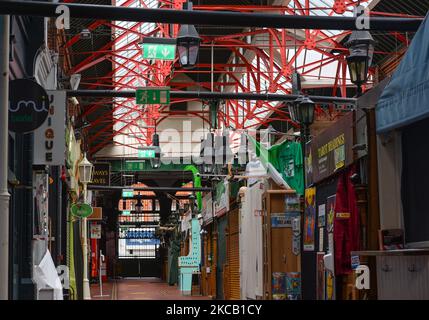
(49, 137)
(28, 105)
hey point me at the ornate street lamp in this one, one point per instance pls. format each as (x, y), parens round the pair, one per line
(361, 49)
(188, 43)
(86, 171)
(301, 110)
(306, 111)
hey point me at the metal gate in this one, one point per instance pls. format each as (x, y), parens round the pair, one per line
(138, 245)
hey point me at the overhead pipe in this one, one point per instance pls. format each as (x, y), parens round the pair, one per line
(200, 17)
(206, 95)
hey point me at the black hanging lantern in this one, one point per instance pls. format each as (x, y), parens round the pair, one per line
(188, 43)
(156, 161)
(306, 111)
(361, 48)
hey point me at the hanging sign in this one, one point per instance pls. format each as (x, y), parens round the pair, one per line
(95, 231)
(50, 137)
(331, 150)
(101, 175)
(153, 95)
(81, 210)
(28, 105)
(148, 152)
(159, 48)
(127, 193)
(222, 198)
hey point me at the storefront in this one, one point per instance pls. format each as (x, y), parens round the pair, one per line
(209, 242)
(331, 223)
(401, 125)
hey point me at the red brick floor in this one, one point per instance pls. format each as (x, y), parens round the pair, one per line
(140, 289)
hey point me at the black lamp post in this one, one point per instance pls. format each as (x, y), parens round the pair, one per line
(156, 161)
(302, 111)
(188, 43)
(361, 48)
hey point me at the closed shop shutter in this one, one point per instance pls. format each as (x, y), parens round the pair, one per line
(233, 256)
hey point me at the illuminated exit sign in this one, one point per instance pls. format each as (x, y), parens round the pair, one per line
(127, 193)
(153, 95)
(159, 48)
(146, 153)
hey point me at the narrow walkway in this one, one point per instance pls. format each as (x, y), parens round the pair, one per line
(140, 289)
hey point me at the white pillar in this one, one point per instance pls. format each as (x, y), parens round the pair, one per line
(4, 141)
(86, 288)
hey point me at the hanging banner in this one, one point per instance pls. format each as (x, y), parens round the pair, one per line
(207, 211)
(222, 198)
(309, 219)
(331, 150)
(101, 175)
(49, 138)
(28, 105)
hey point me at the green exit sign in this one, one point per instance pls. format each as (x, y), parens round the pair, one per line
(153, 95)
(126, 213)
(146, 153)
(127, 193)
(159, 48)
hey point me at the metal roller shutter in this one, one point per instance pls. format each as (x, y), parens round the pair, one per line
(233, 256)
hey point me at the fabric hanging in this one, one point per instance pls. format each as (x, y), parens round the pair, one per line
(346, 223)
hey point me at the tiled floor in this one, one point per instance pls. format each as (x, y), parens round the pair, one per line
(140, 289)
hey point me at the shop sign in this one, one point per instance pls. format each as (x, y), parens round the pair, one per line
(222, 198)
(81, 210)
(331, 150)
(101, 174)
(207, 208)
(95, 231)
(28, 105)
(50, 137)
(97, 214)
(127, 193)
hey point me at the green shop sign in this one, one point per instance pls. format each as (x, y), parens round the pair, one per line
(81, 210)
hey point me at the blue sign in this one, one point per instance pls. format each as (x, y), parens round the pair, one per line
(142, 242)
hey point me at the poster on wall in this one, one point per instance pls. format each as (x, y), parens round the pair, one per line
(50, 137)
(95, 231)
(309, 219)
(330, 204)
(41, 203)
(320, 267)
(321, 218)
(330, 286)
